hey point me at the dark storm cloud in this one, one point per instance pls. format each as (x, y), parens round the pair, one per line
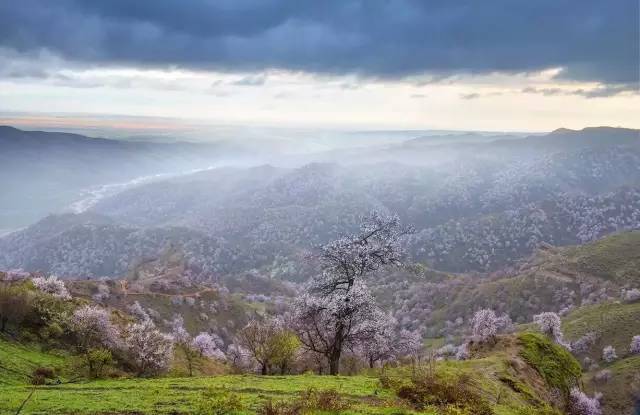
(592, 40)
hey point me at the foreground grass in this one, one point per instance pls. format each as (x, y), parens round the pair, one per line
(497, 376)
(180, 395)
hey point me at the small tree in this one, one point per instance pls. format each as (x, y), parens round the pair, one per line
(609, 354)
(408, 344)
(239, 358)
(634, 348)
(150, 350)
(138, 312)
(484, 325)
(264, 340)
(581, 404)
(196, 348)
(95, 336)
(630, 296)
(182, 342)
(462, 352)
(53, 286)
(208, 346)
(286, 345)
(379, 348)
(549, 323)
(583, 344)
(15, 303)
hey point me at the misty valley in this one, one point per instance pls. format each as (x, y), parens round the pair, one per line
(276, 207)
(476, 240)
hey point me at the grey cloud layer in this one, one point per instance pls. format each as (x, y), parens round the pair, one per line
(593, 40)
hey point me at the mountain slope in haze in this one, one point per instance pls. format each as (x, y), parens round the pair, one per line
(558, 279)
(44, 172)
(479, 213)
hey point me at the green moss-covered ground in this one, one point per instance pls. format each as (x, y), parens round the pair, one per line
(554, 363)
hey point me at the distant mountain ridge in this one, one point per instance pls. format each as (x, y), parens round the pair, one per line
(44, 172)
(485, 207)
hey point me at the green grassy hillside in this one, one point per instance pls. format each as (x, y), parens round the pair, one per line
(615, 258)
(17, 362)
(552, 279)
(498, 376)
(615, 324)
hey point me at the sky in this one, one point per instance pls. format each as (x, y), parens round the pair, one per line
(499, 65)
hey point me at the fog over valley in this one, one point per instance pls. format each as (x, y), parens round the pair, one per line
(275, 207)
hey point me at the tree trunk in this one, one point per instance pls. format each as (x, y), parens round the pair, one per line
(372, 363)
(334, 362)
(263, 370)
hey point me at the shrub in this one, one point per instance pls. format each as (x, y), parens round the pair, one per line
(52, 285)
(459, 391)
(630, 296)
(484, 325)
(214, 402)
(581, 404)
(280, 408)
(602, 376)
(583, 344)
(15, 304)
(549, 323)
(609, 354)
(634, 347)
(311, 400)
(324, 400)
(40, 375)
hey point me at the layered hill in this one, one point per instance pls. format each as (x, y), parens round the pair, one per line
(45, 172)
(613, 324)
(553, 279)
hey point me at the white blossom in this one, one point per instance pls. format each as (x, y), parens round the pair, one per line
(93, 328)
(549, 323)
(630, 296)
(484, 325)
(138, 312)
(609, 354)
(150, 350)
(634, 348)
(207, 346)
(581, 404)
(52, 285)
(239, 357)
